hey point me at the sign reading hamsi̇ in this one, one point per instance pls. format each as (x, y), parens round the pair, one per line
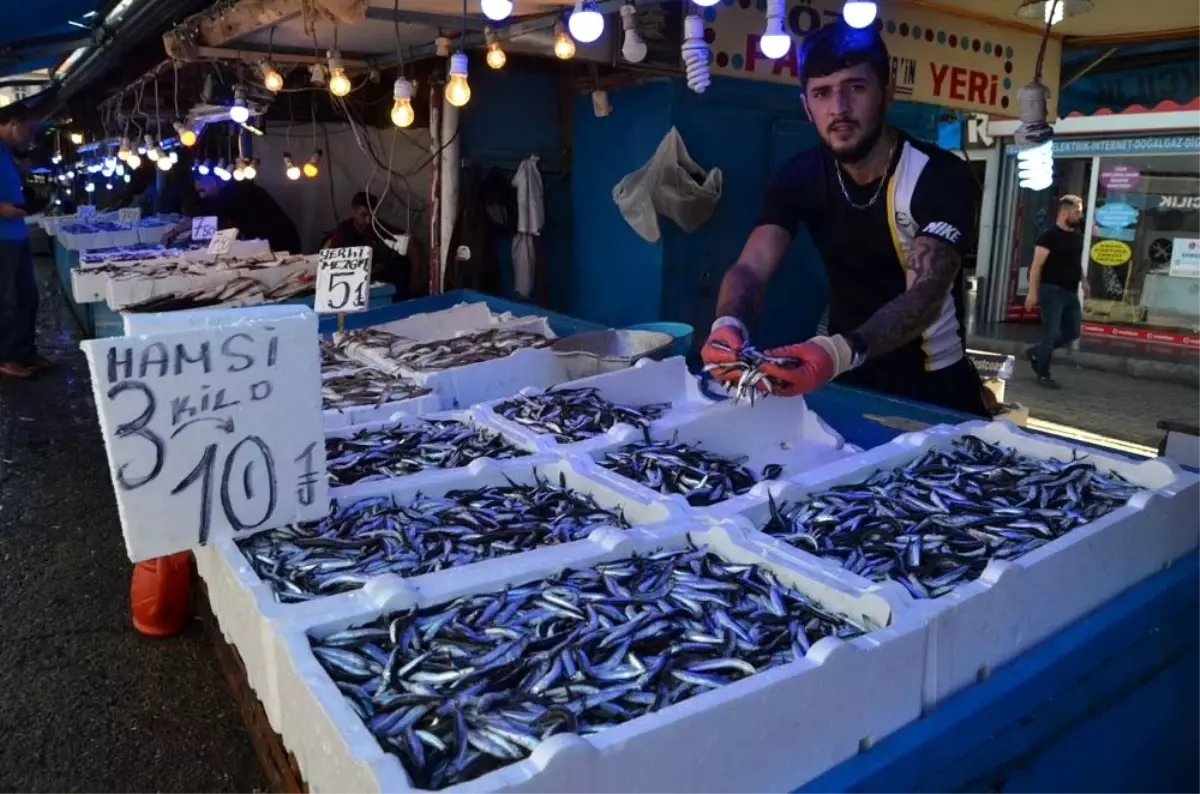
(212, 424)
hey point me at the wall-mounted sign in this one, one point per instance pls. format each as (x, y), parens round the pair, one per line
(1185, 257)
(1111, 253)
(1116, 215)
(937, 58)
(1069, 147)
(1120, 177)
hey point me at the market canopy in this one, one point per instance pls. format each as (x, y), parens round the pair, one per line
(38, 35)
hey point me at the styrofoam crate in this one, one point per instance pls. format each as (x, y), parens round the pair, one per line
(252, 602)
(647, 381)
(354, 415)
(771, 731)
(782, 431)
(1017, 603)
(459, 387)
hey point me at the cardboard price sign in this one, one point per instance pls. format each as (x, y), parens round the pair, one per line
(222, 241)
(212, 424)
(129, 215)
(343, 279)
(204, 228)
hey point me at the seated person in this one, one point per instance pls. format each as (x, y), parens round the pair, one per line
(359, 229)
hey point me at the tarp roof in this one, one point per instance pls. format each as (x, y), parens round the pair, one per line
(29, 22)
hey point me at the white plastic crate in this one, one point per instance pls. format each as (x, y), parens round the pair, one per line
(772, 731)
(236, 590)
(647, 381)
(782, 431)
(1018, 603)
(354, 415)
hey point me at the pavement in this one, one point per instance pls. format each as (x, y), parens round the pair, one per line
(88, 703)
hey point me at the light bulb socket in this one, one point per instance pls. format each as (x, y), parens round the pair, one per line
(458, 64)
(335, 60)
(402, 88)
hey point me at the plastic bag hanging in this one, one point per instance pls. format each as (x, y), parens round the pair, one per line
(671, 183)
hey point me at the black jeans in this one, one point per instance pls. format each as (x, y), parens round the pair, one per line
(1062, 317)
(18, 303)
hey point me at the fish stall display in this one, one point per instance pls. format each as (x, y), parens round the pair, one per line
(671, 467)
(366, 386)
(334, 358)
(575, 414)
(400, 450)
(239, 291)
(468, 349)
(460, 689)
(375, 536)
(937, 522)
(749, 361)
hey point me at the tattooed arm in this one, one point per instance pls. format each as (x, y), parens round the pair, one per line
(932, 266)
(744, 284)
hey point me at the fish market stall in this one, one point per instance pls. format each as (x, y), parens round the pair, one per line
(627, 582)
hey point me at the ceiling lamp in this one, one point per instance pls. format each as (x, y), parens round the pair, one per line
(239, 113)
(586, 22)
(633, 46)
(402, 109)
(775, 41)
(564, 45)
(859, 13)
(496, 10)
(1051, 12)
(495, 56)
(272, 79)
(339, 83)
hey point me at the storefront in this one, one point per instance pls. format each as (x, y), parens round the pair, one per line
(1142, 231)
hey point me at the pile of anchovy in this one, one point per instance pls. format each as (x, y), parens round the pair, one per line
(575, 414)
(334, 358)
(376, 536)
(401, 450)
(937, 522)
(458, 690)
(753, 381)
(367, 387)
(374, 338)
(702, 477)
(469, 349)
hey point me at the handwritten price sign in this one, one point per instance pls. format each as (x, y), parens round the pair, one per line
(343, 279)
(220, 243)
(212, 425)
(129, 215)
(204, 228)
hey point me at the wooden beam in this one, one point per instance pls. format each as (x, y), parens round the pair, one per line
(217, 28)
(254, 55)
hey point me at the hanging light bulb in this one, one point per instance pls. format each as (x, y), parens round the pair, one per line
(339, 83)
(107, 172)
(695, 53)
(495, 56)
(174, 157)
(775, 41)
(70, 175)
(202, 168)
(705, 3)
(187, 136)
(151, 151)
(141, 149)
(564, 45)
(133, 161)
(402, 109)
(586, 22)
(90, 186)
(458, 93)
(292, 170)
(312, 167)
(239, 170)
(221, 172)
(272, 79)
(126, 178)
(251, 169)
(110, 163)
(239, 113)
(108, 185)
(496, 10)
(57, 201)
(120, 169)
(77, 138)
(1035, 163)
(165, 163)
(123, 151)
(859, 13)
(633, 48)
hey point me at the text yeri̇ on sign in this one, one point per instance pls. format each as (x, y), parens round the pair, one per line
(343, 279)
(937, 58)
(212, 424)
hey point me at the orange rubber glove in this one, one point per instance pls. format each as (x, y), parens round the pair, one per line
(731, 337)
(818, 361)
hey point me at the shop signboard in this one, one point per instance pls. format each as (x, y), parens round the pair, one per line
(212, 424)
(1116, 215)
(1185, 257)
(937, 58)
(1149, 144)
(1120, 177)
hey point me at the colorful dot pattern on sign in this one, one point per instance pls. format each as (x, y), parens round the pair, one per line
(813, 20)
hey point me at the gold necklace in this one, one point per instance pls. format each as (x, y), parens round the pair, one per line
(878, 190)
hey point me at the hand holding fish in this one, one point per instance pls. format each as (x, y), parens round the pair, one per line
(722, 349)
(806, 367)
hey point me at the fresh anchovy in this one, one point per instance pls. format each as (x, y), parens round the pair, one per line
(469, 349)
(377, 536)
(400, 450)
(936, 523)
(367, 387)
(334, 358)
(703, 478)
(575, 414)
(753, 381)
(473, 685)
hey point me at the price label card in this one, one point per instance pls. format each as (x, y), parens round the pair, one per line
(222, 241)
(343, 279)
(129, 215)
(204, 228)
(85, 211)
(212, 425)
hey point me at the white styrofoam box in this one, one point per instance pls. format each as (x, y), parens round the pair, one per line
(88, 286)
(1018, 603)
(771, 731)
(123, 238)
(152, 234)
(123, 292)
(647, 381)
(782, 431)
(440, 324)
(354, 415)
(475, 383)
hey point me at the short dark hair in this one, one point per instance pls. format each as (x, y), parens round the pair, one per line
(1070, 202)
(16, 112)
(364, 200)
(838, 46)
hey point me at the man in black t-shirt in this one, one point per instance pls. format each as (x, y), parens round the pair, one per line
(244, 206)
(891, 217)
(1054, 279)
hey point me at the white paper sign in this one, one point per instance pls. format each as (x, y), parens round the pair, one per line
(129, 215)
(343, 279)
(85, 211)
(1185, 257)
(222, 241)
(212, 425)
(204, 228)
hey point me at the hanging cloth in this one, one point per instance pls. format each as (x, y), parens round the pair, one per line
(531, 215)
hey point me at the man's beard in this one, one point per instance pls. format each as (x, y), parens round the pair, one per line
(858, 152)
(1075, 223)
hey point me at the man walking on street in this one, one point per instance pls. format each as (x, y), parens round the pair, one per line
(18, 287)
(1054, 279)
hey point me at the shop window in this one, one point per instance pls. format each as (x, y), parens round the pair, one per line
(1036, 212)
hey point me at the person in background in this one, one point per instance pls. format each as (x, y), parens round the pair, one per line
(18, 285)
(1054, 279)
(891, 217)
(244, 206)
(359, 229)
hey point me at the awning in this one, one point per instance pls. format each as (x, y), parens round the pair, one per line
(38, 35)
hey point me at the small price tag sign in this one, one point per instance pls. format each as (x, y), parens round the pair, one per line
(85, 211)
(343, 279)
(222, 241)
(129, 215)
(212, 425)
(204, 228)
